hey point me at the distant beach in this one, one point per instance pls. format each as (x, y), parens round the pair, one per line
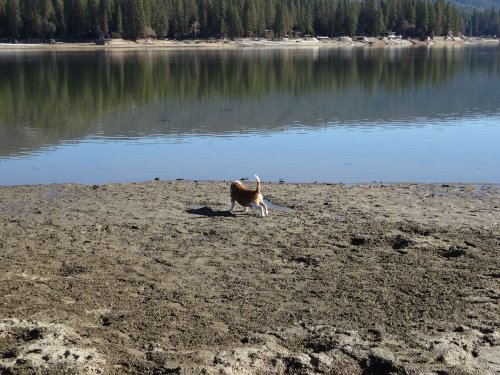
(344, 42)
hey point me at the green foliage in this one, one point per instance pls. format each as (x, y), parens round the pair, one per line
(77, 19)
(13, 18)
(250, 18)
(485, 22)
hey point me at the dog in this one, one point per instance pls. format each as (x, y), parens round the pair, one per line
(248, 197)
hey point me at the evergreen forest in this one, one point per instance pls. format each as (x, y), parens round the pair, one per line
(132, 19)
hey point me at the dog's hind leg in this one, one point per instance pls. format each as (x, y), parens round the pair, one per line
(265, 207)
(262, 211)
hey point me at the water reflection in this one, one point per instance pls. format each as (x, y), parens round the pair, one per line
(54, 102)
(52, 96)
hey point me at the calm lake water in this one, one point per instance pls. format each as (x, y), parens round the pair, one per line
(350, 115)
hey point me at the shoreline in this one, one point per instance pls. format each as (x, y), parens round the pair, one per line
(251, 181)
(158, 276)
(120, 44)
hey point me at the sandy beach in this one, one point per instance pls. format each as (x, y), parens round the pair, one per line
(157, 44)
(158, 278)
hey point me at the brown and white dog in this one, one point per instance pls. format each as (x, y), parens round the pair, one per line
(248, 197)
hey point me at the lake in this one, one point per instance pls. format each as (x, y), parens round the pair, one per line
(326, 115)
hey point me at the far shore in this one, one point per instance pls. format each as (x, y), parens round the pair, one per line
(117, 44)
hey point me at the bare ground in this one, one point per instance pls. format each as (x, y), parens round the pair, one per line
(157, 278)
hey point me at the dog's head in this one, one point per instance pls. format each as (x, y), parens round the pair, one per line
(237, 185)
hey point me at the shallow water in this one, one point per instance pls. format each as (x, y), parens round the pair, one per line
(358, 115)
(273, 206)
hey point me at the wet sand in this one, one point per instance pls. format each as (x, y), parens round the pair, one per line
(157, 277)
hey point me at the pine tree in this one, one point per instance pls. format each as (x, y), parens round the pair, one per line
(134, 19)
(93, 18)
(13, 18)
(203, 10)
(410, 13)
(60, 20)
(221, 15)
(308, 18)
(179, 18)
(234, 23)
(160, 19)
(379, 21)
(340, 17)
(432, 20)
(458, 25)
(449, 18)
(48, 15)
(320, 16)
(392, 15)
(261, 19)
(250, 18)
(439, 20)
(331, 18)
(351, 20)
(118, 20)
(280, 23)
(269, 13)
(104, 16)
(422, 21)
(190, 15)
(75, 14)
(30, 19)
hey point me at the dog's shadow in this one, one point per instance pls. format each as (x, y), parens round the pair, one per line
(207, 211)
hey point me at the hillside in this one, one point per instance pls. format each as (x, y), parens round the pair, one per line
(477, 4)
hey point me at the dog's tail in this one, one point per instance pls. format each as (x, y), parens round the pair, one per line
(258, 183)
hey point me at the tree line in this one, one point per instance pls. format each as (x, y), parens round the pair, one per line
(483, 22)
(132, 19)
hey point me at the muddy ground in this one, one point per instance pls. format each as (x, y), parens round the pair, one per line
(157, 278)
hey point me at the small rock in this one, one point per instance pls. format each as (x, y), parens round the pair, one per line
(105, 320)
